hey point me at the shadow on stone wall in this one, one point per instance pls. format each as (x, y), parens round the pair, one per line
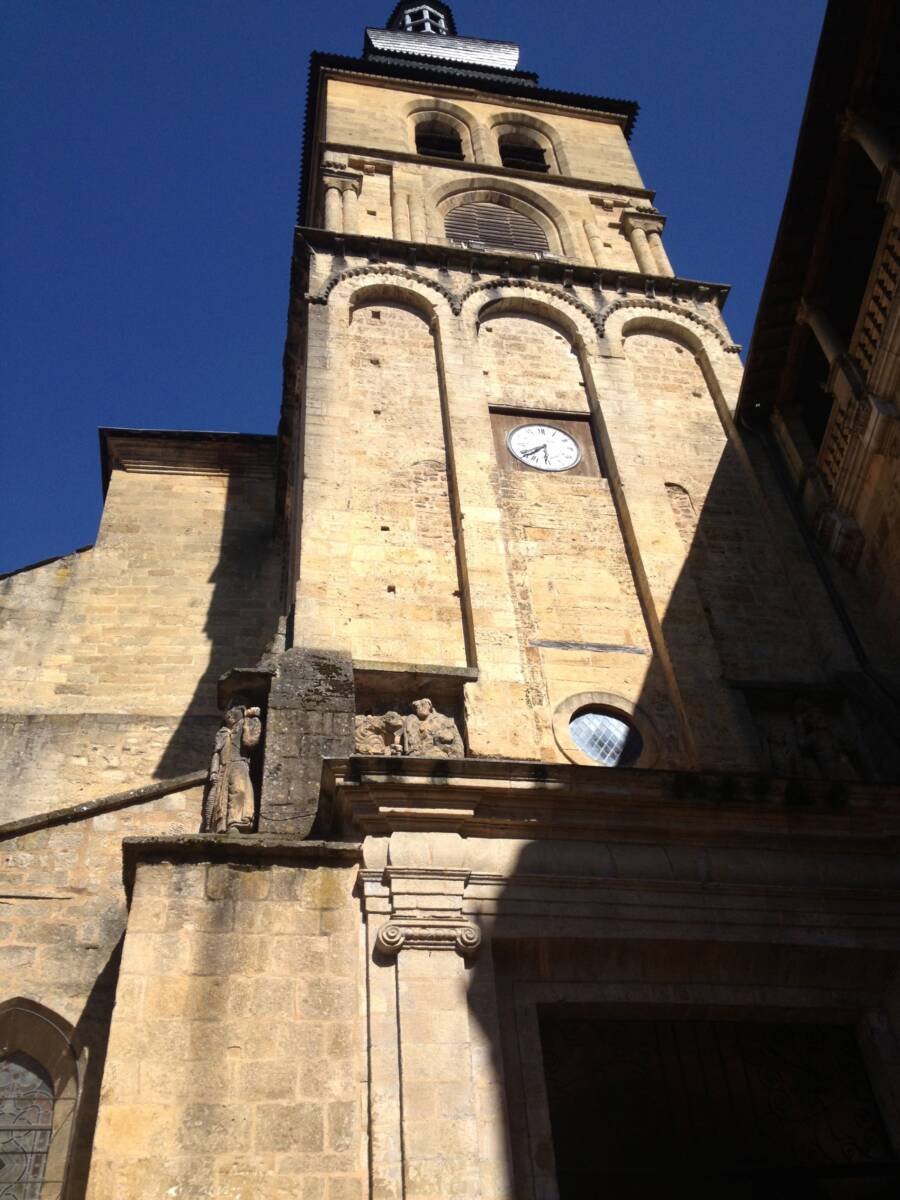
(92, 1031)
(242, 617)
(769, 684)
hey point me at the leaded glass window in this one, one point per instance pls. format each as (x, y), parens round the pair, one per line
(605, 738)
(26, 1123)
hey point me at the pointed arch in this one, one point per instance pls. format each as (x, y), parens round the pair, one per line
(44, 1044)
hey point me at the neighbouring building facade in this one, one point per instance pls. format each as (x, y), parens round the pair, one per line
(486, 787)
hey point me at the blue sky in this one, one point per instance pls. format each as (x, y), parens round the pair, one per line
(150, 156)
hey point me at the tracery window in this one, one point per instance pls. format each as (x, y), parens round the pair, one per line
(26, 1124)
(484, 223)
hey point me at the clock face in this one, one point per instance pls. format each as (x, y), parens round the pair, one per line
(543, 447)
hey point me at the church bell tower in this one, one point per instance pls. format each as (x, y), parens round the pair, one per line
(470, 475)
(477, 791)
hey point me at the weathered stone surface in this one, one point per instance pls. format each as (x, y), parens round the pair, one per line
(423, 733)
(230, 803)
(233, 1027)
(310, 716)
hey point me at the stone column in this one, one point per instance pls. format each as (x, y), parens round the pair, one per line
(641, 248)
(333, 207)
(642, 228)
(481, 145)
(664, 267)
(417, 217)
(350, 198)
(400, 214)
(596, 241)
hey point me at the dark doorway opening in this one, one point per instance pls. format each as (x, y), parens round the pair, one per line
(702, 1109)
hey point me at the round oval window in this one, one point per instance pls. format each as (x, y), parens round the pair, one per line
(605, 738)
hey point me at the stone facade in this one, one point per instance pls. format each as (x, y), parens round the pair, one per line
(415, 874)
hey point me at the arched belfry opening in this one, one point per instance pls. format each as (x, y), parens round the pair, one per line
(437, 137)
(522, 152)
(486, 223)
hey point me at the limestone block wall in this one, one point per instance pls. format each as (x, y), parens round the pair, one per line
(61, 923)
(110, 658)
(650, 583)
(370, 138)
(756, 625)
(376, 115)
(403, 554)
(236, 1058)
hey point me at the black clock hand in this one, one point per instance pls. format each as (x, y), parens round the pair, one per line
(534, 450)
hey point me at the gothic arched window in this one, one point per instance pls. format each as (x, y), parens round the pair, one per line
(483, 223)
(438, 139)
(523, 153)
(26, 1125)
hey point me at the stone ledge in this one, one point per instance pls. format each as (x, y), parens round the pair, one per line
(243, 848)
(514, 799)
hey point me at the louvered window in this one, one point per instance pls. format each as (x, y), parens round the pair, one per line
(484, 224)
(524, 156)
(435, 140)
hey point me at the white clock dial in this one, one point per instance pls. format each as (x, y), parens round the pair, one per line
(543, 447)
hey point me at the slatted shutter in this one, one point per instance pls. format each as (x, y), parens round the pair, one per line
(486, 224)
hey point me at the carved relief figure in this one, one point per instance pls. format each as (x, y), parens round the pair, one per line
(379, 735)
(230, 803)
(824, 752)
(780, 741)
(425, 733)
(429, 734)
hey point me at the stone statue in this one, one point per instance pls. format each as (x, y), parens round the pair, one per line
(824, 753)
(230, 805)
(429, 734)
(378, 735)
(780, 743)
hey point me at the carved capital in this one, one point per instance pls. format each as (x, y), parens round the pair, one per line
(424, 933)
(342, 182)
(648, 222)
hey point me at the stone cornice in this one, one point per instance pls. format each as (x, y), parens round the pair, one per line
(251, 848)
(508, 799)
(631, 285)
